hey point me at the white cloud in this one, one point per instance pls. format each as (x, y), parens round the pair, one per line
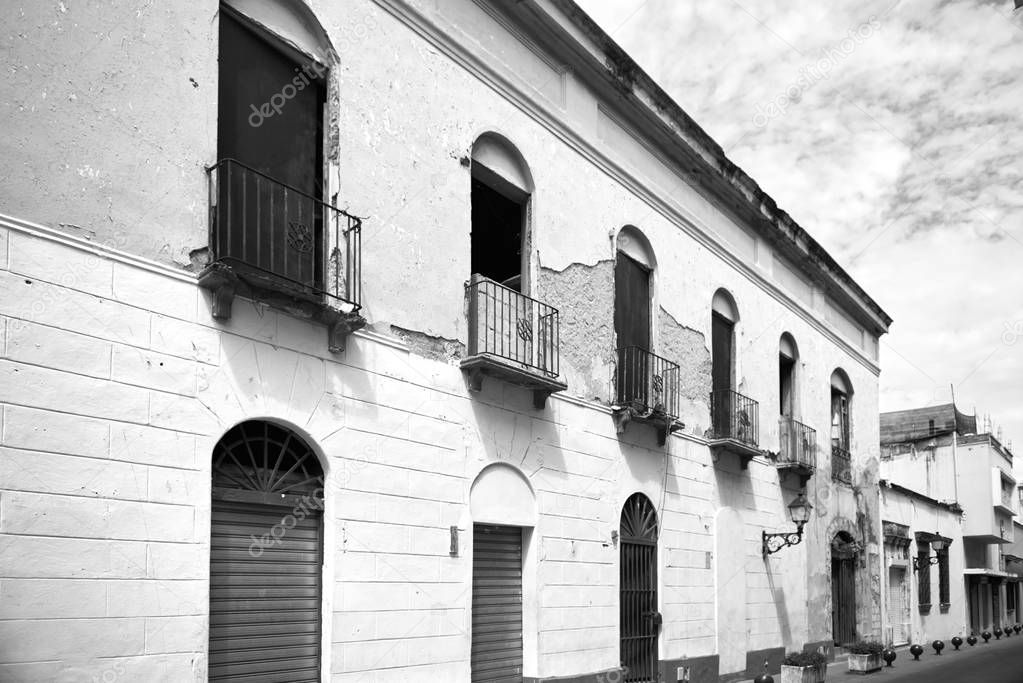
(901, 160)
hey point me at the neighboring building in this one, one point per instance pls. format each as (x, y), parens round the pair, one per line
(936, 455)
(1012, 556)
(527, 418)
(925, 597)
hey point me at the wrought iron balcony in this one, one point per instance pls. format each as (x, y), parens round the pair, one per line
(646, 390)
(841, 463)
(275, 243)
(797, 447)
(735, 424)
(514, 337)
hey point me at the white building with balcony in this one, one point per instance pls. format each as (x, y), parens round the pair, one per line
(390, 340)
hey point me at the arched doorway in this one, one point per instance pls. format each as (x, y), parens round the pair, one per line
(503, 509)
(640, 622)
(844, 550)
(266, 556)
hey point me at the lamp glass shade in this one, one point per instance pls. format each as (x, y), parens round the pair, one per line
(799, 509)
(939, 544)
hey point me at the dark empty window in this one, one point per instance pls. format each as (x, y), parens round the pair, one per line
(632, 302)
(270, 114)
(721, 353)
(498, 216)
(269, 215)
(786, 370)
(943, 578)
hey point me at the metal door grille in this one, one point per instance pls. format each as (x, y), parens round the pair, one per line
(496, 604)
(639, 618)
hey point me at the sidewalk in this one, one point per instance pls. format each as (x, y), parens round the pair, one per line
(996, 660)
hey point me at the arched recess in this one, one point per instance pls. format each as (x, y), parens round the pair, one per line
(844, 551)
(639, 619)
(841, 426)
(504, 602)
(266, 542)
(501, 193)
(788, 362)
(502, 495)
(293, 23)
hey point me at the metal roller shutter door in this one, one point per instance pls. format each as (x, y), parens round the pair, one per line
(265, 609)
(496, 604)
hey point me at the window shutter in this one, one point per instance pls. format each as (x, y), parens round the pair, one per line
(924, 578)
(943, 584)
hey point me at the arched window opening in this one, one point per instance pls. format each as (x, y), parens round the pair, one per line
(634, 269)
(797, 442)
(271, 223)
(734, 418)
(841, 443)
(646, 385)
(266, 554)
(640, 620)
(500, 193)
(724, 316)
(787, 357)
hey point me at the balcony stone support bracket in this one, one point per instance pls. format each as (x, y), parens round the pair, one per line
(224, 283)
(744, 451)
(339, 326)
(792, 467)
(664, 424)
(482, 365)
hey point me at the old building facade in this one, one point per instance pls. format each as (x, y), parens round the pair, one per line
(957, 491)
(409, 341)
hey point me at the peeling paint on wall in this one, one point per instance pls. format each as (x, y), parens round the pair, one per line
(585, 296)
(430, 346)
(689, 349)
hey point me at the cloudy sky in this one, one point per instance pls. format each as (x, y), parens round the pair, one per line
(890, 130)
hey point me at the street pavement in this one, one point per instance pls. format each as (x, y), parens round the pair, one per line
(999, 661)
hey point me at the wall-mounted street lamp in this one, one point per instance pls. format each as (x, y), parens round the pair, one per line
(939, 544)
(799, 511)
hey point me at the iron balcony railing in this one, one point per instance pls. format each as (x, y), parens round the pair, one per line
(512, 326)
(841, 463)
(797, 443)
(647, 383)
(734, 416)
(285, 238)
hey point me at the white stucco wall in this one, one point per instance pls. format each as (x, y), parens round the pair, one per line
(117, 382)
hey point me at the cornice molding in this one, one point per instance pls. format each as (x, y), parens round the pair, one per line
(531, 105)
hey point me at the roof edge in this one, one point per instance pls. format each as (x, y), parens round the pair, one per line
(624, 69)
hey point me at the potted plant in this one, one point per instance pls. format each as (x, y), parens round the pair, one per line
(865, 656)
(804, 667)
